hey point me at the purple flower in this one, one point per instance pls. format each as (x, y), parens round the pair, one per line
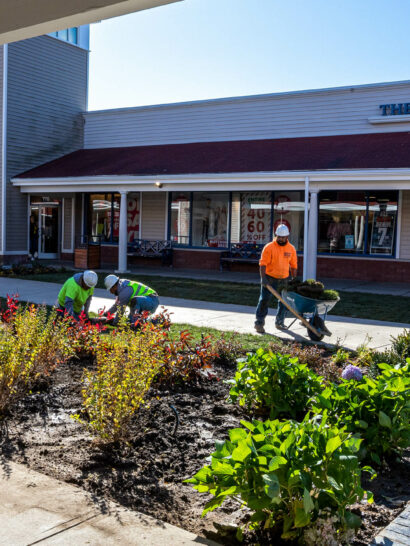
(352, 372)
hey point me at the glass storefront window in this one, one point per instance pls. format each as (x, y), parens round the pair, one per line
(381, 222)
(100, 217)
(251, 217)
(104, 217)
(180, 217)
(210, 219)
(357, 222)
(289, 209)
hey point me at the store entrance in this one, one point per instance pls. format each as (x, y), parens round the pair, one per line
(44, 232)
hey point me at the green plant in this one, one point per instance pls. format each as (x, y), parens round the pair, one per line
(127, 363)
(288, 474)
(274, 383)
(227, 350)
(401, 345)
(341, 357)
(378, 409)
(32, 344)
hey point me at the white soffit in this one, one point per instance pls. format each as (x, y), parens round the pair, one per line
(21, 19)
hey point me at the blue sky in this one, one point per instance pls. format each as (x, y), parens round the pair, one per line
(200, 49)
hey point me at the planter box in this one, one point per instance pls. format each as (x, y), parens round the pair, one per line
(87, 257)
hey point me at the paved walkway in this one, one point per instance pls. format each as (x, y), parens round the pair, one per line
(37, 509)
(349, 333)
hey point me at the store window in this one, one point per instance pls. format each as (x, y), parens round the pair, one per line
(180, 217)
(67, 35)
(104, 217)
(210, 219)
(289, 209)
(382, 222)
(251, 217)
(357, 222)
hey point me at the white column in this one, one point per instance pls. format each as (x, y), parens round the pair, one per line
(306, 230)
(312, 235)
(123, 235)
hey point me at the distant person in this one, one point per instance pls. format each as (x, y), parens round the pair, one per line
(278, 260)
(33, 237)
(133, 294)
(76, 294)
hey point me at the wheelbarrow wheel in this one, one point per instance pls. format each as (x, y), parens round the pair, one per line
(317, 323)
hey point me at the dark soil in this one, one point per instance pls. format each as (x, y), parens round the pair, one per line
(147, 474)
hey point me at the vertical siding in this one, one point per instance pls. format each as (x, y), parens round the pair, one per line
(405, 227)
(67, 242)
(47, 86)
(78, 212)
(153, 213)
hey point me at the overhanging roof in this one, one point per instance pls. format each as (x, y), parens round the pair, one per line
(21, 19)
(333, 153)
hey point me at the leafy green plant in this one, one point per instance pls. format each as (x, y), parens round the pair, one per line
(287, 473)
(341, 357)
(401, 345)
(32, 344)
(127, 363)
(378, 409)
(275, 384)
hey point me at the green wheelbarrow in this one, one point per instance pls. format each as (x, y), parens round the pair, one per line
(300, 306)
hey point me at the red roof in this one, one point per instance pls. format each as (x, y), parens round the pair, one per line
(368, 151)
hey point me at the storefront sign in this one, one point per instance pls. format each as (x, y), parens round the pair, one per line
(382, 232)
(400, 109)
(255, 217)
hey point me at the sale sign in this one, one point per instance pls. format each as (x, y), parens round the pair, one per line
(255, 217)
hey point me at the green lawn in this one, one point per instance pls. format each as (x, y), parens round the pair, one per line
(352, 304)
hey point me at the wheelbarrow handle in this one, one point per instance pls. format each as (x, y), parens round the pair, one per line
(285, 303)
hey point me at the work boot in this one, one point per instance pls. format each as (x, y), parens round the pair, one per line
(259, 328)
(280, 326)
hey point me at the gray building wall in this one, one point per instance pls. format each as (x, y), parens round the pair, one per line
(47, 91)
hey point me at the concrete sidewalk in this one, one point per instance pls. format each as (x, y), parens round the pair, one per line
(348, 332)
(37, 509)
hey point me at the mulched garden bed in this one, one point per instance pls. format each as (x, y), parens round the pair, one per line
(147, 475)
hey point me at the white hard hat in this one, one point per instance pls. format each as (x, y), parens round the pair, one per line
(110, 281)
(90, 278)
(282, 231)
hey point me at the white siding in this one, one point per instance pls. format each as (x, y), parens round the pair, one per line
(153, 215)
(282, 115)
(405, 227)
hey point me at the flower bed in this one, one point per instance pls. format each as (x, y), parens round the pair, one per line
(146, 469)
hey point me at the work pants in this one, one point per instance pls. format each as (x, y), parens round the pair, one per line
(265, 299)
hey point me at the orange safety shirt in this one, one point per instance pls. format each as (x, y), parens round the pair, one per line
(278, 259)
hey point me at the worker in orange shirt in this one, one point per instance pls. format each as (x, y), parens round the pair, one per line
(278, 261)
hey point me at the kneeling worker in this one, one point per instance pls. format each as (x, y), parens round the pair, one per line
(76, 293)
(133, 294)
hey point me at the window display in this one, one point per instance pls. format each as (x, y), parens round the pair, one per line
(180, 217)
(210, 219)
(251, 217)
(104, 217)
(289, 209)
(357, 222)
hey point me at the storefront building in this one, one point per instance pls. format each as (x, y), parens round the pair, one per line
(333, 165)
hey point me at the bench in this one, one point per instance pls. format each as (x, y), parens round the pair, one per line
(248, 253)
(143, 248)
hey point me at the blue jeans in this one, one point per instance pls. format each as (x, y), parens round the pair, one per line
(139, 304)
(265, 298)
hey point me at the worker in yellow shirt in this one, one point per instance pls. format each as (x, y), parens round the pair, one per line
(278, 261)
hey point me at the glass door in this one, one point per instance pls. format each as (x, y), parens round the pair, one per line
(48, 231)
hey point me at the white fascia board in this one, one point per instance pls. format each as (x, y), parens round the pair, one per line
(30, 19)
(375, 120)
(125, 182)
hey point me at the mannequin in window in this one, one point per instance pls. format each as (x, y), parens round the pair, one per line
(336, 231)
